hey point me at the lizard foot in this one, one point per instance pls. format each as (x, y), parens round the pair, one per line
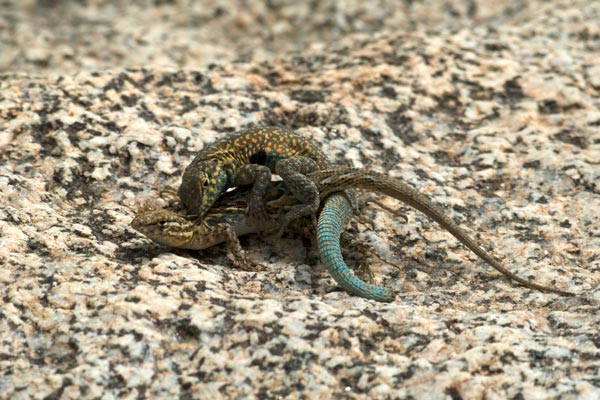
(365, 273)
(388, 209)
(169, 195)
(276, 234)
(245, 264)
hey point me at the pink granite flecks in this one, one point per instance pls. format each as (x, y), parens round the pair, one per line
(491, 109)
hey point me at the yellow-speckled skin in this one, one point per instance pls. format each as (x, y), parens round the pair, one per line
(233, 160)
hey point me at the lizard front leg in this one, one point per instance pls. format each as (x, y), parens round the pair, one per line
(260, 177)
(293, 171)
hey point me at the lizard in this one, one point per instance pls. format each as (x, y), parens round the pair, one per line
(224, 222)
(171, 229)
(248, 157)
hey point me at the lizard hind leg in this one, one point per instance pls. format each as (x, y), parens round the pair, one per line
(234, 249)
(293, 173)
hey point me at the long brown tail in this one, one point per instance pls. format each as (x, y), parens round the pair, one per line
(336, 179)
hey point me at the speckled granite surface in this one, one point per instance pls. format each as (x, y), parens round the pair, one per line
(491, 110)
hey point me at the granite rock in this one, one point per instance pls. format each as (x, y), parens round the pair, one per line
(492, 110)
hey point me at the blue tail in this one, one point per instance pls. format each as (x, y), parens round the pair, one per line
(335, 214)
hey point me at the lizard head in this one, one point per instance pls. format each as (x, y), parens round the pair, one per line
(201, 185)
(164, 227)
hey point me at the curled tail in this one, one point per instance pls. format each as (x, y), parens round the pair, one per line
(335, 179)
(335, 214)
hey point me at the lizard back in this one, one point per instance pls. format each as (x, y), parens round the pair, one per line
(216, 167)
(264, 146)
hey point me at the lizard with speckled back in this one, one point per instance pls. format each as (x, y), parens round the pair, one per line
(248, 157)
(170, 229)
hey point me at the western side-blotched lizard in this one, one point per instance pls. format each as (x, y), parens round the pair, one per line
(248, 157)
(171, 229)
